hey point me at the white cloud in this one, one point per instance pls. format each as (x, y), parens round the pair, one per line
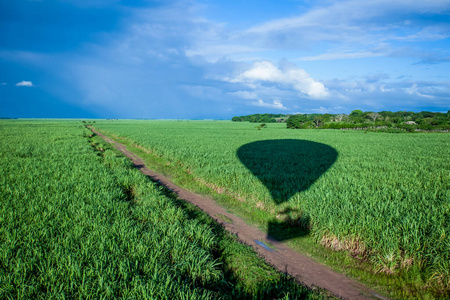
(25, 83)
(358, 25)
(320, 110)
(213, 53)
(413, 90)
(276, 104)
(244, 94)
(288, 75)
(347, 14)
(384, 89)
(431, 33)
(342, 55)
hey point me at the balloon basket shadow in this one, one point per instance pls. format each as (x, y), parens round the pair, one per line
(288, 227)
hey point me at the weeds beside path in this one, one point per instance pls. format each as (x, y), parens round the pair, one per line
(276, 253)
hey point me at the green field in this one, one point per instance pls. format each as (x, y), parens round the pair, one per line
(384, 198)
(78, 221)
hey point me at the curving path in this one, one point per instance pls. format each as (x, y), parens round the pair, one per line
(303, 268)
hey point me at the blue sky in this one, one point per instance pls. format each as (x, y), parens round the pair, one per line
(217, 59)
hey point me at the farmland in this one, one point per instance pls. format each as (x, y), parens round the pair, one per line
(78, 221)
(383, 198)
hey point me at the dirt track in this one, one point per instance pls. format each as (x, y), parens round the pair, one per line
(282, 257)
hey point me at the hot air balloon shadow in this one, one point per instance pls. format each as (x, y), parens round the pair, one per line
(286, 167)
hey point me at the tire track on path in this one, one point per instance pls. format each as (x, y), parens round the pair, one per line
(283, 258)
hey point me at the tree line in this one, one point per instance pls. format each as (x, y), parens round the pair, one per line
(357, 119)
(262, 118)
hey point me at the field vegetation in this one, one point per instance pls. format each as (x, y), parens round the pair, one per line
(383, 199)
(78, 221)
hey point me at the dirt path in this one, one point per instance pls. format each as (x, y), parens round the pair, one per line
(282, 257)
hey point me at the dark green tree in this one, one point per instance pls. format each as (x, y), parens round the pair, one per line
(296, 121)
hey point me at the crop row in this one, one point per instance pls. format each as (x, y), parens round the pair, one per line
(383, 197)
(81, 223)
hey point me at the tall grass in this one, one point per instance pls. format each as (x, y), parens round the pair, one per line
(385, 198)
(80, 223)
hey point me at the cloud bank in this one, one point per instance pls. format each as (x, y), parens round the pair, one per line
(185, 59)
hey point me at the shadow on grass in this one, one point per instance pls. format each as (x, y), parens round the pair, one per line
(246, 276)
(291, 225)
(286, 167)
